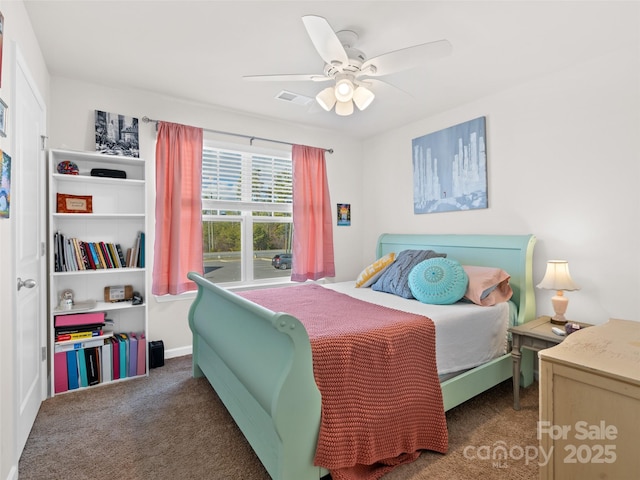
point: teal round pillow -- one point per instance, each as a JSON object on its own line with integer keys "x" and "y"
{"x": 439, "y": 281}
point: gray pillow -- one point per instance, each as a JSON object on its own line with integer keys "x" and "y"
{"x": 395, "y": 279}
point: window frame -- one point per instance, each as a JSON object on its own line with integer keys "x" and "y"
{"x": 247, "y": 207}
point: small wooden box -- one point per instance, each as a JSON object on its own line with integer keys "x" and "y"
{"x": 74, "y": 203}
{"x": 118, "y": 293}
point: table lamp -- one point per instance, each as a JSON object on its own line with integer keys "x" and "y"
{"x": 557, "y": 278}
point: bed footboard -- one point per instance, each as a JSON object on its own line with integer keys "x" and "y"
{"x": 264, "y": 379}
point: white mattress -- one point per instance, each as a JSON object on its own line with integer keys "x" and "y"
{"x": 467, "y": 335}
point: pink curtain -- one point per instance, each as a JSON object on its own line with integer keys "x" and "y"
{"x": 312, "y": 221}
{"x": 178, "y": 242}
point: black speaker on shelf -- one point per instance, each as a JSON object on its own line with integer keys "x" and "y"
{"x": 156, "y": 354}
{"x": 107, "y": 172}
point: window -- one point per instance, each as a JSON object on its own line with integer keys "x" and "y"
{"x": 246, "y": 214}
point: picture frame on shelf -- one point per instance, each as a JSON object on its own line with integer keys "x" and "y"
{"x": 3, "y": 118}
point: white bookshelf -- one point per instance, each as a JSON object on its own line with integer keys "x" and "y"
{"x": 118, "y": 215}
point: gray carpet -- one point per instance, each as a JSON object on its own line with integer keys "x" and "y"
{"x": 172, "y": 426}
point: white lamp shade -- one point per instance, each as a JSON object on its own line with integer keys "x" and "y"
{"x": 344, "y": 90}
{"x": 326, "y": 98}
{"x": 363, "y": 97}
{"x": 344, "y": 108}
{"x": 557, "y": 277}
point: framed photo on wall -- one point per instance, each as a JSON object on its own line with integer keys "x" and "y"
{"x": 344, "y": 214}
{"x": 116, "y": 134}
{"x": 1, "y": 42}
{"x": 3, "y": 118}
{"x": 5, "y": 184}
{"x": 450, "y": 169}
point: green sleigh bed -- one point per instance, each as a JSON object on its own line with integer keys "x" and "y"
{"x": 259, "y": 362}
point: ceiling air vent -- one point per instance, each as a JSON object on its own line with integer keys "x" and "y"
{"x": 294, "y": 98}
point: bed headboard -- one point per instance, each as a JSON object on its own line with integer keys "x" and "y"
{"x": 512, "y": 253}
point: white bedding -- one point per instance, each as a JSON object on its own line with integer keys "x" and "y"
{"x": 467, "y": 335}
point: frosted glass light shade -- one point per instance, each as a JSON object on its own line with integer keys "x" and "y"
{"x": 344, "y": 108}
{"x": 326, "y": 98}
{"x": 363, "y": 97}
{"x": 344, "y": 90}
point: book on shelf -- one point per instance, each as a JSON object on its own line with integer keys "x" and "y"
{"x": 88, "y": 363}
{"x": 115, "y": 357}
{"x": 88, "y": 257}
{"x": 82, "y": 367}
{"x": 79, "y": 319}
{"x": 114, "y": 255}
{"x": 64, "y": 337}
{"x": 80, "y": 329}
{"x": 123, "y": 339}
{"x": 92, "y": 365}
{"x": 84, "y": 343}
{"x": 121, "y": 255}
{"x": 72, "y": 254}
{"x": 79, "y": 259}
{"x": 142, "y": 354}
{"x": 133, "y": 355}
{"x": 72, "y": 370}
{"x": 141, "y": 254}
{"x": 105, "y": 253}
{"x": 94, "y": 254}
{"x": 60, "y": 370}
{"x": 136, "y": 257}
{"x": 106, "y": 363}
{"x": 101, "y": 259}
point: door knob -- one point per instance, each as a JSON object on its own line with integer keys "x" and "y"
{"x": 28, "y": 283}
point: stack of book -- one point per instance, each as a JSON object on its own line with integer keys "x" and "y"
{"x": 88, "y": 361}
{"x": 72, "y": 254}
{"x": 81, "y": 326}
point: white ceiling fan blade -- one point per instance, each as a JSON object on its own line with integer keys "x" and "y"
{"x": 325, "y": 40}
{"x": 382, "y": 86}
{"x": 405, "y": 58}
{"x": 310, "y": 77}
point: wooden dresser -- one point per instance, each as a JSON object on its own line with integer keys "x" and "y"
{"x": 590, "y": 404}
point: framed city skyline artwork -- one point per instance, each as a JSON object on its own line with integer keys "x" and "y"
{"x": 450, "y": 169}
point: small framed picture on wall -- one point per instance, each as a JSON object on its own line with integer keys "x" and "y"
{"x": 344, "y": 214}
{"x": 3, "y": 118}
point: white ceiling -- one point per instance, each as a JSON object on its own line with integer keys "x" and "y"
{"x": 199, "y": 50}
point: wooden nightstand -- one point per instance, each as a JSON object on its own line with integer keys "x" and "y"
{"x": 535, "y": 335}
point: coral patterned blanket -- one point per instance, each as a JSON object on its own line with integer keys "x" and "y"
{"x": 376, "y": 370}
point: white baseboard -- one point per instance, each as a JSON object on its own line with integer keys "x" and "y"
{"x": 13, "y": 473}
{"x": 178, "y": 352}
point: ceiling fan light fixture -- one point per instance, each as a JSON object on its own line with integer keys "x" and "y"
{"x": 344, "y": 90}
{"x": 344, "y": 108}
{"x": 363, "y": 97}
{"x": 326, "y": 98}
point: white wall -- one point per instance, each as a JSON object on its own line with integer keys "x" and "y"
{"x": 72, "y": 126}
{"x": 562, "y": 164}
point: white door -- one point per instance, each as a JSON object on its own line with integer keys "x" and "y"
{"x": 28, "y": 195}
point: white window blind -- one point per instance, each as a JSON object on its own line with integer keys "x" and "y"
{"x": 259, "y": 182}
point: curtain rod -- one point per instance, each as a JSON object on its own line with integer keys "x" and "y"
{"x": 251, "y": 138}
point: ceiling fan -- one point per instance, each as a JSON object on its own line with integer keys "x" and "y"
{"x": 352, "y": 72}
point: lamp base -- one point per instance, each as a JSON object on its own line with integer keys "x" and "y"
{"x": 559, "y": 302}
